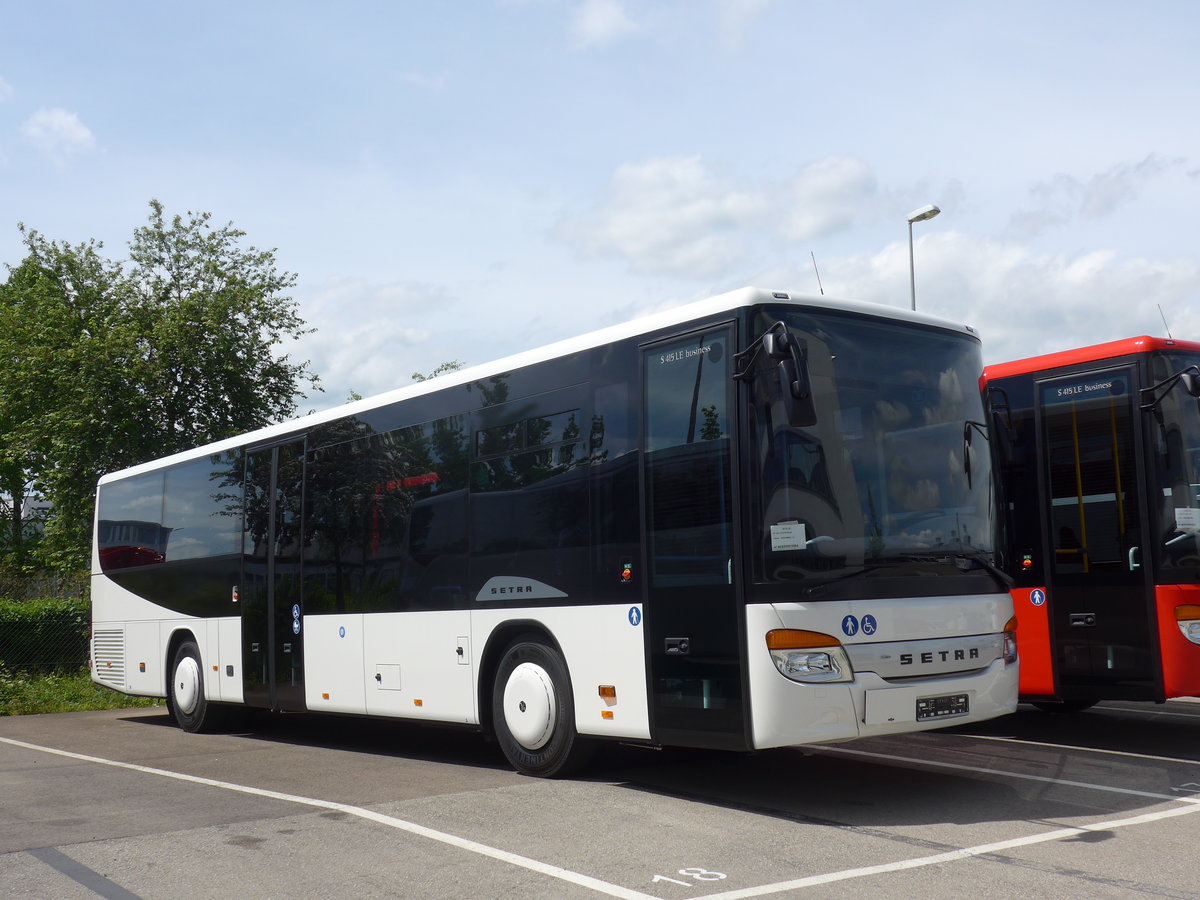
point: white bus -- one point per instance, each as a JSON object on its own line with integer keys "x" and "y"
{"x": 750, "y": 522}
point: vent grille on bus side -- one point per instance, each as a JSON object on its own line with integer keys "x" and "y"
{"x": 108, "y": 655}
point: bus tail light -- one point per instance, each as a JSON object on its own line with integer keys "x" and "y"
{"x": 809, "y": 657}
{"x": 1187, "y": 616}
{"x": 1010, "y": 641}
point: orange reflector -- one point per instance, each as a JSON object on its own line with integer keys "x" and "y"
{"x": 1186, "y": 612}
{"x": 606, "y": 713}
{"x": 608, "y": 691}
{"x": 794, "y": 639}
{"x": 1011, "y": 624}
{"x": 216, "y": 668}
{"x": 418, "y": 703}
{"x": 324, "y": 696}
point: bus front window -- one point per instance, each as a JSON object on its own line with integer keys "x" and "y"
{"x": 1176, "y": 425}
{"x": 879, "y": 486}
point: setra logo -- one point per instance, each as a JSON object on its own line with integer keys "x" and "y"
{"x": 931, "y": 656}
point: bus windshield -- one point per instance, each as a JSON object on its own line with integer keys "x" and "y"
{"x": 893, "y": 481}
{"x": 1177, "y": 448}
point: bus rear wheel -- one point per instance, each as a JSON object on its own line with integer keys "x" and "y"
{"x": 185, "y": 696}
{"x": 533, "y": 712}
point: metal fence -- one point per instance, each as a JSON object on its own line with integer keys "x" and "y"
{"x": 44, "y": 624}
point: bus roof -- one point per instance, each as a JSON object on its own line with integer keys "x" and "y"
{"x": 1094, "y": 353}
{"x": 676, "y": 315}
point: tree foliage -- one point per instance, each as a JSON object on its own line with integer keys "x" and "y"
{"x": 110, "y": 363}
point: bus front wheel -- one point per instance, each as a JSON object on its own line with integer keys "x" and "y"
{"x": 185, "y": 697}
{"x": 533, "y": 712}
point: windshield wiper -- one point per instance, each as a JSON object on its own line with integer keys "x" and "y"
{"x": 930, "y": 559}
{"x": 858, "y": 573}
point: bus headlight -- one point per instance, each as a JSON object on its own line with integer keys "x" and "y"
{"x": 809, "y": 656}
{"x": 1187, "y": 617}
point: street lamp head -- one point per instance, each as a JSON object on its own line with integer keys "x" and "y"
{"x": 922, "y": 214}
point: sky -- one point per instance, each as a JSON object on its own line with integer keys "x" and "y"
{"x": 466, "y": 179}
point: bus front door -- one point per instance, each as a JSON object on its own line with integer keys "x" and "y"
{"x": 1099, "y": 590}
{"x": 272, "y": 615}
{"x": 691, "y": 608}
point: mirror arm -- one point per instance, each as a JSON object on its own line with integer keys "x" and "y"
{"x": 1155, "y": 394}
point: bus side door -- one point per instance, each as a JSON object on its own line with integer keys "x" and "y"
{"x": 272, "y": 607}
{"x": 1100, "y": 554}
{"x": 692, "y": 619}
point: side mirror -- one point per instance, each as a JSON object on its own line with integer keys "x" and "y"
{"x": 794, "y": 376}
{"x": 1191, "y": 383}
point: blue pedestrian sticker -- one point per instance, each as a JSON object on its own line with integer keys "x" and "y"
{"x": 635, "y": 616}
{"x": 1037, "y": 597}
{"x": 295, "y": 626}
{"x": 850, "y": 626}
{"x": 342, "y": 631}
{"x": 869, "y": 625}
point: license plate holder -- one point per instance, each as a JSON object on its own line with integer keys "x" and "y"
{"x": 950, "y": 706}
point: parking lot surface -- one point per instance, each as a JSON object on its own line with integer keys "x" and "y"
{"x": 121, "y": 804}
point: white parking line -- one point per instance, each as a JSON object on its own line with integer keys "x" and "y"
{"x": 534, "y": 865}
{"x": 846, "y": 751}
{"x": 949, "y": 856}
{"x": 1010, "y": 740}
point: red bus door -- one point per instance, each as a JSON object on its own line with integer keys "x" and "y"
{"x": 1099, "y": 553}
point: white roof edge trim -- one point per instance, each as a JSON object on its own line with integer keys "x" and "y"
{"x": 675, "y": 315}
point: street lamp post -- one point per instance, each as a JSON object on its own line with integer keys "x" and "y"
{"x": 920, "y": 215}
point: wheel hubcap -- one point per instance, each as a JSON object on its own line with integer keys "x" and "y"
{"x": 529, "y": 707}
{"x": 187, "y": 685}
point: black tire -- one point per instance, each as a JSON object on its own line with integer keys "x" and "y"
{"x": 533, "y": 712}
{"x": 1064, "y": 706}
{"x": 185, "y": 694}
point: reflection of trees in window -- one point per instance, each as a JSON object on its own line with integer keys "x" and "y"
{"x": 361, "y": 528}
{"x": 530, "y": 450}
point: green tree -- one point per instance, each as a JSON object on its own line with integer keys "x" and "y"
{"x": 211, "y": 313}
{"x": 63, "y": 334}
{"x": 107, "y": 364}
{"x": 452, "y": 366}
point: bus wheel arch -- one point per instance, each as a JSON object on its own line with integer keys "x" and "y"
{"x": 533, "y": 709}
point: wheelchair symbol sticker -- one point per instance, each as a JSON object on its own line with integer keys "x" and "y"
{"x": 869, "y": 625}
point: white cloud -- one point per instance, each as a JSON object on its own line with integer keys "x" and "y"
{"x": 1022, "y": 303}
{"x": 369, "y": 337}
{"x": 825, "y": 197}
{"x": 669, "y": 215}
{"x": 57, "y": 133}
{"x": 1065, "y": 198}
{"x": 734, "y": 18}
{"x": 600, "y": 22}
{"x": 673, "y": 215}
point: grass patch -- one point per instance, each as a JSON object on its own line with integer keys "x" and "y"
{"x": 24, "y": 694}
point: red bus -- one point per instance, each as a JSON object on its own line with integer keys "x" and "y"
{"x": 1098, "y": 461}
